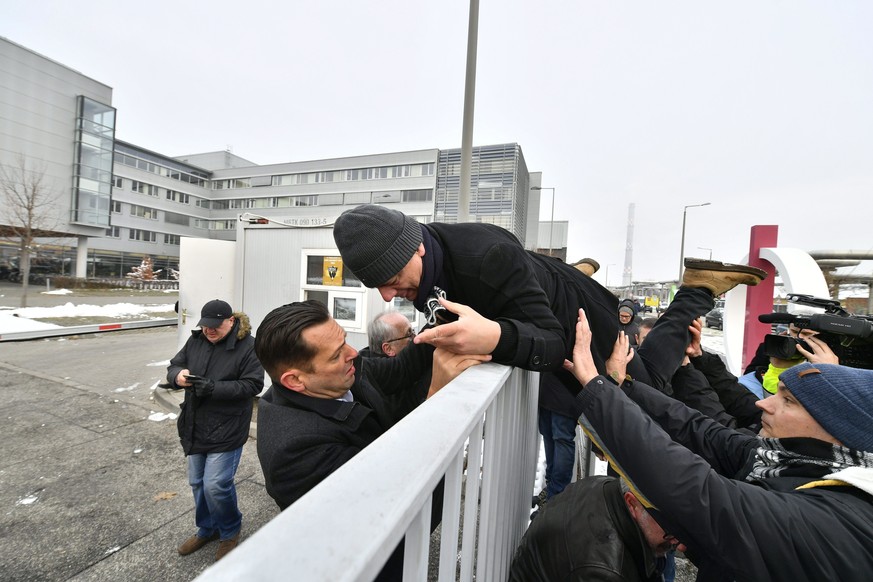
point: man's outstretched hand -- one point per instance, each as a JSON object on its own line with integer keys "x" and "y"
{"x": 582, "y": 366}
{"x": 622, "y": 353}
{"x": 448, "y": 365}
{"x": 695, "y": 330}
{"x": 472, "y": 334}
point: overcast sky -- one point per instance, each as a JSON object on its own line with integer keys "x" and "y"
{"x": 764, "y": 109}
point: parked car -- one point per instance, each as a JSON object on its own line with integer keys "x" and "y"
{"x": 713, "y": 319}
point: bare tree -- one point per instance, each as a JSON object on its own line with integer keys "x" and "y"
{"x": 27, "y": 210}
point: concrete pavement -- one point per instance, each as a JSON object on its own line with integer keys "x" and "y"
{"x": 91, "y": 488}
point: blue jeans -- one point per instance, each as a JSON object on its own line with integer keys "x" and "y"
{"x": 559, "y": 433}
{"x": 211, "y": 478}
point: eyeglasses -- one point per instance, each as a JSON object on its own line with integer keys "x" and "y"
{"x": 409, "y": 334}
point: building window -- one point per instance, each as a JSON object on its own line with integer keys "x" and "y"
{"x": 178, "y": 197}
{"x": 143, "y": 212}
{"x": 200, "y": 223}
{"x": 329, "y": 200}
{"x": 304, "y": 200}
{"x": 201, "y": 203}
{"x": 118, "y": 182}
{"x": 113, "y": 232}
{"x": 175, "y": 218}
{"x": 417, "y": 195}
{"x": 143, "y": 235}
{"x": 172, "y": 239}
{"x": 115, "y": 207}
{"x": 337, "y": 288}
{"x": 143, "y": 188}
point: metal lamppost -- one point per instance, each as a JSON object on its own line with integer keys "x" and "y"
{"x": 682, "y": 244}
{"x": 706, "y": 249}
{"x": 552, "y": 220}
{"x": 606, "y": 278}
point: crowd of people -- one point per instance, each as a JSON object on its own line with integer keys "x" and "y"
{"x": 750, "y": 488}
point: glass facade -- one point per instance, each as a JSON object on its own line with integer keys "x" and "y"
{"x": 92, "y": 179}
{"x": 498, "y": 183}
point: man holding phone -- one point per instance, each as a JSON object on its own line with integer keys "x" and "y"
{"x": 221, "y": 375}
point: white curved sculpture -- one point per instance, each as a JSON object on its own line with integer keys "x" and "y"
{"x": 800, "y": 274}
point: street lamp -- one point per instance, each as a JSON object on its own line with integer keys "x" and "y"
{"x": 552, "y": 221}
{"x": 606, "y": 279}
{"x": 682, "y": 244}
{"x": 706, "y": 249}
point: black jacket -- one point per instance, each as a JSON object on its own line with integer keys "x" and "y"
{"x": 691, "y": 469}
{"x": 584, "y": 533}
{"x": 220, "y": 422}
{"x": 302, "y": 440}
{"x": 736, "y": 399}
{"x": 534, "y": 298}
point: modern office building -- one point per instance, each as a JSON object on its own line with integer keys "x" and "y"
{"x": 115, "y": 202}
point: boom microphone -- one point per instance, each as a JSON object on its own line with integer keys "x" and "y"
{"x": 777, "y": 318}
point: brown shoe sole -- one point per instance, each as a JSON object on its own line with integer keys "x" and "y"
{"x": 707, "y": 265}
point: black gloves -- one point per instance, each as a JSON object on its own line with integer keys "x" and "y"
{"x": 203, "y": 387}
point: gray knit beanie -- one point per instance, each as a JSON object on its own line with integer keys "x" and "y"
{"x": 839, "y": 398}
{"x": 376, "y": 242}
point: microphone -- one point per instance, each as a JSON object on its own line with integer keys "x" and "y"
{"x": 777, "y": 318}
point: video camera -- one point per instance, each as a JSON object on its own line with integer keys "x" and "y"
{"x": 849, "y": 336}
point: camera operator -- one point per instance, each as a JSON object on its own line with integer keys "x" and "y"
{"x": 737, "y": 396}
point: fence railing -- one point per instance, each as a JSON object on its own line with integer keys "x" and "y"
{"x": 346, "y": 528}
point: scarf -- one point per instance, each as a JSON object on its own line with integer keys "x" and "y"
{"x": 431, "y": 269}
{"x": 771, "y": 378}
{"x": 803, "y": 457}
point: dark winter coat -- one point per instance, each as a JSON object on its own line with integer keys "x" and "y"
{"x": 632, "y": 328}
{"x": 302, "y": 439}
{"x": 534, "y": 298}
{"x": 691, "y": 469}
{"x": 219, "y": 422}
{"x": 584, "y": 533}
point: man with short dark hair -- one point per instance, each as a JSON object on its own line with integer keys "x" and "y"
{"x": 221, "y": 375}
{"x": 323, "y": 406}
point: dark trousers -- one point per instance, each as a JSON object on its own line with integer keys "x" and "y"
{"x": 559, "y": 442}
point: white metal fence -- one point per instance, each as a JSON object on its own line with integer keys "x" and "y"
{"x": 346, "y": 528}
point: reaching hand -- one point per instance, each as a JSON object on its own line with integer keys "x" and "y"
{"x": 582, "y": 366}
{"x": 203, "y": 387}
{"x": 448, "y": 365}
{"x": 472, "y": 334}
{"x": 696, "y": 330}
{"x": 622, "y": 353}
{"x": 821, "y": 352}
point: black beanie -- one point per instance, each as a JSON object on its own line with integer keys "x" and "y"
{"x": 376, "y": 242}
